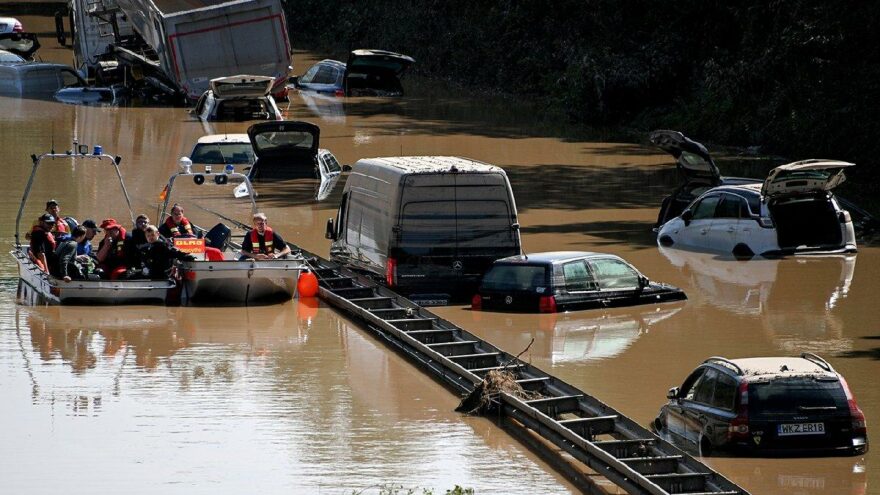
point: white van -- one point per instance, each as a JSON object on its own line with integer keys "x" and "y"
{"x": 428, "y": 226}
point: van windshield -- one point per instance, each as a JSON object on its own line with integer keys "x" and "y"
{"x": 443, "y": 227}
{"x": 795, "y": 395}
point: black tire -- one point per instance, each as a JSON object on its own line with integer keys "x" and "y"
{"x": 743, "y": 251}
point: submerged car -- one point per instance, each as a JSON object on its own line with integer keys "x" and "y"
{"x": 792, "y": 212}
{"x": 9, "y": 58}
{"x": 367, "y": 73}
{"x": 289, "y": 150}
{"x": 238, "y": 98}
{"x": 37, "y": 79}
{"x": 699, "y": 173}
{"x": 766, "y": 405}
{"x": 22, "y": 44}
{"x": 222, "y": 150}
{"x": 567, "y": 281}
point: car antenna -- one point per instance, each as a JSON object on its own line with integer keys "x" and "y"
{"x": 52, "y": 149}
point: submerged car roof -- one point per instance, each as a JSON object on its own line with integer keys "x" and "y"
{"x": 778, "y": 367}
{"x": 552, "y": 257}
{"x": 224, "y": 138}
{"x": 430, "y": 164}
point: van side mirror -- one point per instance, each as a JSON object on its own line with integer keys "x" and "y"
{"x": 687, "y": 216}
{"x": 330, "y": 233}
{"x": 672, "y": 394}
{"x": 346, "y": 168}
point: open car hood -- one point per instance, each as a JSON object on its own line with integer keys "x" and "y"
{"x": 242, "y": 86}
{"x": 691, "y": 158}
{"x": 284, "y": 139}
{"x": 22, "y": 44}
{"x": 805, "y": 176}
{"x": 377, "y": 61}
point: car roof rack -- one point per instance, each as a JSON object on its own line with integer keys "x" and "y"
{"x": 726, "y": 362}
{"x": 809, "y": 356}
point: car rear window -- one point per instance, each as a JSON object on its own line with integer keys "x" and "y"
{"x": 218, "y": 154}
{"x": 795, "y": 395}
{"x": 515, "y": 277}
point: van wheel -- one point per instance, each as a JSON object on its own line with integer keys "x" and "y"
{"x": 705, "y": 447}
{"x": 743, "y": 251}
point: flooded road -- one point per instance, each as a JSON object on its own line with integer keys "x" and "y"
{"x": 296, "y": 398}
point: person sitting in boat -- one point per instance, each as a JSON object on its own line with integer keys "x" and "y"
{"x": 138, "y": 235}
{"x": 71, "y": 265}
{"x": 60, "y": 229}
{"x": 157, "y": 256}
{"x": 262, "y": 243}
{"x": 42, "y": 242}
{"x": 176, "y": 225}
{"x": 116, "y": 250}
{"x": 84, "y": 247}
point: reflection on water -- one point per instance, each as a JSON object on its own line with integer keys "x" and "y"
{"x": 293, "y": 393}
{"x": 327, "y": 108}
{"x": 796, "y": 317}
{"x": 579, "y": 336}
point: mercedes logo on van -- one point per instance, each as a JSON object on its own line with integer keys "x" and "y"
{"x": 457, "y": 265}
{"x": 508, "y": 300}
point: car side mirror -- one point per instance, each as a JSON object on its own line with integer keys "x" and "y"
{"x": 514, "y": 226}
{"x": 687, "y": 216}
{"x": 330, "y": 232}
{"x": 293, "y": 80}
{"x": 643, "y": 282}
{"x": 672, "y": 394}
{"x": 346, "y": 168}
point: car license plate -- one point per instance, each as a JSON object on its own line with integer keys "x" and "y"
{"x": 801, "y": 429}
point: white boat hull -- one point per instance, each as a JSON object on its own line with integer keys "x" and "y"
{"x": 240, "y": 282}
{"x": 37, "y": 287}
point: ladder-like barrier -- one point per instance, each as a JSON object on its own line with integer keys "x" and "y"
{"x": 611, "y": 444}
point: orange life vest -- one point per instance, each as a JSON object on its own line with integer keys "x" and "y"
{"x": 177, "y": 230}
{"x": 268, "y": 237}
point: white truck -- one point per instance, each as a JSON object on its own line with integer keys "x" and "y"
{"x": 178, "y": 46}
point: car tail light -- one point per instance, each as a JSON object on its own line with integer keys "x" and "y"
{"x": 844, "y": 216}
{"x": 339, "y": 93}
{"x": 391, "y": 272}
{"x": 859, "y": 425}
{"x": 477, "y": 303}
{"x": 739, "y": 426}
{"x": 547, "y": 304}
{"x": 765, "y": 222}
{"x": 17, "y": 28}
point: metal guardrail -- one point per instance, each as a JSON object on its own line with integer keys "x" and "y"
{"x": 611, "y": 444}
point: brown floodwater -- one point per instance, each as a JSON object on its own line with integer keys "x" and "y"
{"x": 296, "y": 398}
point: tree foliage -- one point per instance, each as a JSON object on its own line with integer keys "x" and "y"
{"x": 799, "y": 77}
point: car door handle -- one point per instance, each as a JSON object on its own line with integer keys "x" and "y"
{"x": 704, "y": 230}
{"x": 731, "y": 229}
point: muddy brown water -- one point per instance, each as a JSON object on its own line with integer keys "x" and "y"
{"x": 296, "y": 398}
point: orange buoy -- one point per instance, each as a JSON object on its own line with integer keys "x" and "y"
{"x": 307, "y": 285}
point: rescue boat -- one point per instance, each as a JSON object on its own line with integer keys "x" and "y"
{"x": 230, "y": 280}
{"x": 36, "y": 286}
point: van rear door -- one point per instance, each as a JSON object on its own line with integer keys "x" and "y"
{"x": 452, "y": 227}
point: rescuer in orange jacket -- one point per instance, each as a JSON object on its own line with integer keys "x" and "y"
{"x": 262, "y": 243}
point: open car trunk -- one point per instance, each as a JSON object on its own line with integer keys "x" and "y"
{"x": 806, "y": 222}
{"x": 284, "y": 150}
{"x": 375, "y": 73}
